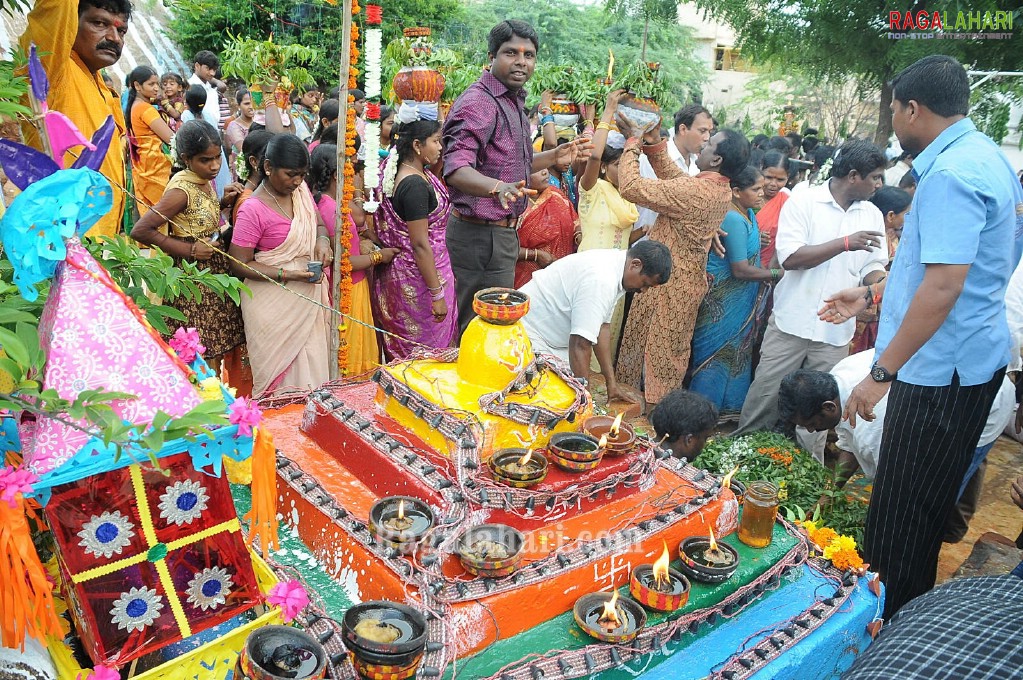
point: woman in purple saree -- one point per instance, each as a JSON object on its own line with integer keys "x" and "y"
{"x": 414, "y": 295}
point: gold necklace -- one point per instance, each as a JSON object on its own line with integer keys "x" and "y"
{"x": 416, "y": 170}
{"x": 279, "y": 206}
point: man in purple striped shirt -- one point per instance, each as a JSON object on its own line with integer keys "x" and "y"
{"x": 487, "y": 162}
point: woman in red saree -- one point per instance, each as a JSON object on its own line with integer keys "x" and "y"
{"x": 776, "y": 175}
{"x": 550, "y": 227}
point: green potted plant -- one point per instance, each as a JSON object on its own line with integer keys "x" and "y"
{"x": 645, "y": 88}
{"x": 264, "y": 62}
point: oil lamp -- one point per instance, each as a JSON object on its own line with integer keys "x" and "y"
{"x": 384, "y": 637}
{"x": 400, "y": 522}
{"x": 706, "y": 560}
{"x": 501, "y": 306}
{"x": 575, "y": 451}
{"x": 491, "y": 550}
{"x": 621, "y": 437}
{"x": 607, "y": 618}
{"x": 517, "y": 467}
{"x": 659, "y": 586}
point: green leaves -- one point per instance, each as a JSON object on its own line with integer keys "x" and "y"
{"x": 140, "y": 276}
{"x": 262, "y": 61}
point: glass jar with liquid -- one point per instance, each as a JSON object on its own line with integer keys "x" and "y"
{"x": 759, "y": 512}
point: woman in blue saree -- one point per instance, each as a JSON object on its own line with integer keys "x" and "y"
{"x": 730, "y": 313}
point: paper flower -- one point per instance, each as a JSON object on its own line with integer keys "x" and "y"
{"x": 290, "y": 596}
{"x": 14, "y": 481}
{"x": 186, "y": 344}
{"x": 245, "y": 414}
{"x": 100, "y": 673}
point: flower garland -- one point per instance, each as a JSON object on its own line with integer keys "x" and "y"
{"x": 374, "y": 48}
{"x": 841, "y": 550}
{"x": 347, "y": 194}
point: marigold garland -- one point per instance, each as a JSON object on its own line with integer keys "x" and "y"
{"x": 347, "y": 194}
{"x": 841, "y": 550}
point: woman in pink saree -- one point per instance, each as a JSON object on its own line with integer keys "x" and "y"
{"x": 276, "y": 237}
{"x": 414, "y": 294}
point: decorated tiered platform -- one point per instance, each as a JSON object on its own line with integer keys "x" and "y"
{"x": 427, "y": 429}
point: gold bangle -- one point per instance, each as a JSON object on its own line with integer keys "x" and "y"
{"x": 604, "y": 126}
{"x": 376, "y": 257}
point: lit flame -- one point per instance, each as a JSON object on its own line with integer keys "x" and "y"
{"x": 401, "y": 509}
{"x": 661, "y": 567}
{"x": 603, "y": 441}
{"x": 610, "y": 614}
{"x": 610, "y": 64}
{"x": 726, "y": 483}
{"x": 616, "y": 425}
{"x": 713, "y": 544}
{"x": 525, "y": 458}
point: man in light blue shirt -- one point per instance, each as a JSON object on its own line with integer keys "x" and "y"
{"x": 943, "y": 340}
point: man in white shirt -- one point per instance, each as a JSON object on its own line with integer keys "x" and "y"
{"x": 829, "y": 237}
{"x": 204, "y": 71}
{"x": 693, "y": 125}
{"x": 814, "y": 400}
{"x": 571, "y": 302}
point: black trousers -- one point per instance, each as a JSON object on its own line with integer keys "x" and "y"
{"x": 930, "y": 434}
{"x": 482, "y": 256}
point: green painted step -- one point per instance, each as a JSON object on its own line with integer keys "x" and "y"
{"x": 561, "y": 632}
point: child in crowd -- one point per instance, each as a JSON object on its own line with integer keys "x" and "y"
{"x": 195, "y": 100}
{"x": 683, "y": 421}
{"x": 172, "y": 104}
{"x": 190, "y": 208}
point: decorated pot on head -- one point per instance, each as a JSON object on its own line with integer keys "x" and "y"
{"x": 566, "y": 112}
{"x": 639, "y": 110}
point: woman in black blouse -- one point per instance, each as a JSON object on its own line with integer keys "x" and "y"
{"x": 414, "y": 295}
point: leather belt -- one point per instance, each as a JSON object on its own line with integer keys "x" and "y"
{"x": 511, "y": 222}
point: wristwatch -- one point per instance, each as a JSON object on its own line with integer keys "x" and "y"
{"x": 880, "y": 374}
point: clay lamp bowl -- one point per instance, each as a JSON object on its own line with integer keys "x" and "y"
{"x": 518, "y": 468}
{"x": 386, "y": 639}
{"x": 575, "y": 451}
{"x": 273, "y": 652}
{"x": 620, "y": 437}
{"x": 491, "y": 550}
{"x": 659, "y": 587}
{"x": 500, "y": 306}
{"x": 608, "y": 618}
{"x": 707, "y": 561}
{"x": 400, "y": 522}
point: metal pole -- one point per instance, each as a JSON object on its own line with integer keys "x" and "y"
{"x": 341, "y": 228}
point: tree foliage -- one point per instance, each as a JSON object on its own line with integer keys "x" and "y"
{"x": 204, "y": 24}
{"x": 580, "y": 37}
{"x": 842, "y": 38}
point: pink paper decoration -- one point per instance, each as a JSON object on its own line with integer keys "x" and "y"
{"x": 95, "y": 337}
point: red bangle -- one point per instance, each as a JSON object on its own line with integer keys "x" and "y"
{"x": 847, "y": 243}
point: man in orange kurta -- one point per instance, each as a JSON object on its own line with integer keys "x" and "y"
{"x": 77, "y": 38}
{"x": 659, "y": 330}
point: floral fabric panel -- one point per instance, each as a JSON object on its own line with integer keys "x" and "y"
{"x": 148, "y": 558}
{"x": 96, "y": 338}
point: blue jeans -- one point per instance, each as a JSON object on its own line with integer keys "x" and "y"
{"x": 1018, "y": 571}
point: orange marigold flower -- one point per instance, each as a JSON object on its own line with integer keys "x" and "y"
{"x": 823, "y": 536}
{"x": 847, "y": 559}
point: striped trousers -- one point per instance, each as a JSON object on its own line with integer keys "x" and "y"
{"x": 930, "y": 434}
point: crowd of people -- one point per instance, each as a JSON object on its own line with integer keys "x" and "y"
{"x": 719, "y": 278}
